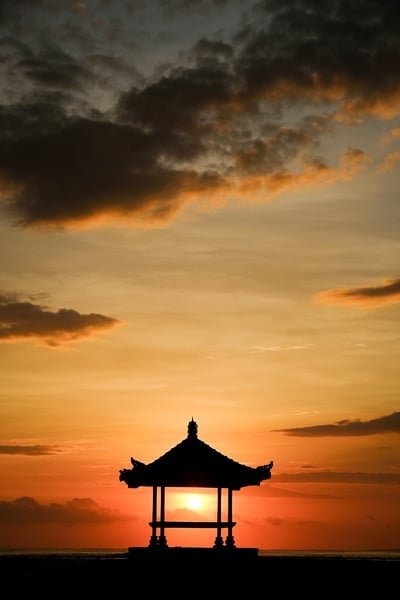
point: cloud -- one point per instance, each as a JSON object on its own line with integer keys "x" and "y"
{"x": 278, "y": 522}
{"x": 22, "y": 320}
{"x": 210, "y": 126}
{"x": 182, "y": 514}
{"x": 336, "y": 50}
{"x": 272, "y": 491}
{"x": 33, "y": 450}
{"x": 30, "y": 71}
{"x": 386, "y": 424}
{"x": 54, "y": 70}
{"x": 393, "y": 134}
{"x": 364, "y": 297}
{"x": 78, "y": 511}
{"x": 79, "y": 7}
{"x": 339, "y": 477}
{"x": 389, "y": 162}
{"x": 170, "y": 8}
{"x": 98, "y": 169}
{"x": 110, "y": 69}
{"x": 263, "y": 349}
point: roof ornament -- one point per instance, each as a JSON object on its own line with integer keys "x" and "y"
{"x": 192, "y": 430}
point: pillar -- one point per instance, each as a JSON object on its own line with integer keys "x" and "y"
{"x": 162, "y": 540}
{"x": 218, "y": 540}
{"x": 153, "y": 539}
{"x": 230, "y": 540}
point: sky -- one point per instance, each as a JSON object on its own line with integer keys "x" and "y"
{"x": 199, "y": 217}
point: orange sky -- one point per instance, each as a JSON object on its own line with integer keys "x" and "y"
{"x": 203, "y": 222}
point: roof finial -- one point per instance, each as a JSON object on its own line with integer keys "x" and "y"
{"x": 192, "y": 429}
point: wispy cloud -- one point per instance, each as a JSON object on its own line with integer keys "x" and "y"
{"x": 273, "y": 491}
{"x": 262, "y": 349}
{"x": 338, "y": 477}
{"x": 33, "y": 450}
{"x": 345, "y": 428}
{"x": 77, "y": 511}
{"x": 364, "y": 297}
{"x": 22, "y": 320}
{"x": 278, "y": 521}
{"x": 183, "y": 514}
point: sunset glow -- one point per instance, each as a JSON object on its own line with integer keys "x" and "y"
{"x": 199, "y": 217}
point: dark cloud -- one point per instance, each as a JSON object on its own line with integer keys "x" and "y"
{"x": 385, "y": 424}
{"x": 78, "y": 511}
{"x": 211, "y": 126}
{"x": 21, "y": 320}
{"x": 54, "y": 70}
{"x": 206, "y": 49}
{"x": 368, "y": 296}
{"x": 13, "y": 47}
{"x": 62, "y": 170}
{"x": 14, "y": 12}
{"x": 338, "y": 477}
{"x": 34, "y": 450}
{"x": 174, "y": 6}
{"x": 109, "y": 68}
{"x": 80, "y": 7}
{"x": 340, "y": 50}
{"x": 51, "y": 68}
{"x": 183, "y": 101}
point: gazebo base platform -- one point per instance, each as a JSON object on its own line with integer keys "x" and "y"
{"x": 182, "y": 553}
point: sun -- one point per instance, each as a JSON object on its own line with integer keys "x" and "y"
{"x": 194, "y": 501}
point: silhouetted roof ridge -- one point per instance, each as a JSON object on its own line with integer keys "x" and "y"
{"x": 182, "y": 446}
{"x": 194, "y": 463}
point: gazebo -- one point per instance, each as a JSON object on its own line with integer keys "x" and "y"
{"x": 193, "y": 463}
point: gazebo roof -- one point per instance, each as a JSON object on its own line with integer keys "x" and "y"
{"x": 193, "y": 463}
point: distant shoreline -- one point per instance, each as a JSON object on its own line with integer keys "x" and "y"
{"x": 77, "y": 553}
{"x": 41, "y": 557}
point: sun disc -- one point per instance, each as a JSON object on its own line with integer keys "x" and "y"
{"x": 194, "y": 501}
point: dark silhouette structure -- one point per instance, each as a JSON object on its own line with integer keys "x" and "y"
{"x": 193, "y": 463}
